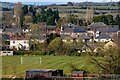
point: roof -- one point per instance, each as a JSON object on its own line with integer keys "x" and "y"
{"x": 66, "y": 36}
{"x": 68, "y": 30}
{"x": 78, "y": 29}
{"x": 84, "y": 36}
{"x": 103, "y": 36}
{"x": 41, "y": 70}
{"x": 78, "y": 72}
{"x": 109, "y": 29}
{"x": 98, "y": 24}
{"x": 51, "y": 27}
{"x": 6, "y": 37}
{"x": 17, "y": 30}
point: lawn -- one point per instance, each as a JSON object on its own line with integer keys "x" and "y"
{"x": 11, "y": 65}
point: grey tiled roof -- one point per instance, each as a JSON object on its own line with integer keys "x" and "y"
{"x": 109, "y": 29}
{"x": 17, "y": 30}
{"x": 103, "y": 36}
{"x": 68, "y": 30}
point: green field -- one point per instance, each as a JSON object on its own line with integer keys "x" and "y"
{"x": 12, "y": 64}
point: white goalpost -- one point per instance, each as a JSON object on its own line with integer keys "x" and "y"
{"x": 27, "y": 60}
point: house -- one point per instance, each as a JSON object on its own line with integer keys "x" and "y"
{"x": 67, "y": 31}
{"x": 84, "y": 38}
{"x": 88, "y": 48}
{"x": 103, "y": 38}
{"x": 79, "y": 31}
{"x": 46, "y": 73}
{"x": 6, "y": 53}
{"x": 92, "y": 28}
{"x": 49, "y": 29}
{"x": 111, "y": 31}
{"x": 67, "y": 38}
{"x": 19, "y": 44}
{"x": 110, "y": 44}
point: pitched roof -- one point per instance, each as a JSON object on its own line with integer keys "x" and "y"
{"x": 83, "y": 36}
{"x": 5, "y": 37}
{"x": 94, "y": 26}
{"x": 78, "y": 29}
{"x": 103, "y": 36}
{"x": 109, "y": 29}
{"x": 17, "y": 30}
{"x": 68, "y": 30}
{"x": 98, "y": 24}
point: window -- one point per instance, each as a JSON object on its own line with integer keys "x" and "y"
{"x": 25, "y": 42}
{"x": 13, "y": 42}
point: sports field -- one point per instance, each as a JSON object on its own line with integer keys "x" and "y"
{"x": 17, "y": 65}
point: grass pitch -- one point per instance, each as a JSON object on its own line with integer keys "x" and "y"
{"x": 17, "y": 65}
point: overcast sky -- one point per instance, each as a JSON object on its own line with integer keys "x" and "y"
{"x": 57, "y": 0}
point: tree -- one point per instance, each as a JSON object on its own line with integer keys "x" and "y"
{"x": 110, "y": 62}
{"x": 25, "y": 9}
{"x": 55, "y": 45}
{"x": 51, "y": 21}
{"x": 117, "y": 20}
{"x": 72, "y": 19}
{"x": 28, "y": 19}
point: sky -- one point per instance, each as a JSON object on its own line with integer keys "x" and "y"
{"x": 57, "y": 0}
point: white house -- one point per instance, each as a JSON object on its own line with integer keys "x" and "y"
{"x": 5, "y": 53}
{"x": 19, "y": 44}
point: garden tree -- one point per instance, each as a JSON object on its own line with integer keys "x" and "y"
{"x": 56, "y": 45}
{"x": 107, "y": 19}
{"x": 59, "y": 22}
{"x": 28, "y": 19}
{"x": 31, "y": 9}
{"x": 49, "y": 12}
{"x": 51, "y": 21}
{"x": 51, "y": 37}
{"x": 25, "y": 9}
{"x": 110, "y": 62}
{"x": 102, "y": 18}
{"x": 72, "y": 19}
{"x": 34, "y": 30}
{"x": 56, "y": 15}
{"x": 117, "y": 20}
{"x": 110, "y": 19}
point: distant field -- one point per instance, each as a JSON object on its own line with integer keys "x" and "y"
{"x": 78, "y": 10}
{"x": 11, "y": 65}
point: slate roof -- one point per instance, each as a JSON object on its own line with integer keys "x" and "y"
{"x": 97, "y": 25}
{"x": 103, "y": 36}
{"x": 17, "y": 30}
{"x": 79, "y": 29}
{"x": 68, "y": 30}
{"x": 83, "y": 36}
{"x": 51, "y": 27}
{"x": 110, "y": 29}
{"x": 5, "y": 37}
